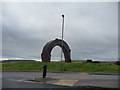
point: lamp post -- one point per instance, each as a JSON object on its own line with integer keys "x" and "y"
{"x": 62, "y": 39}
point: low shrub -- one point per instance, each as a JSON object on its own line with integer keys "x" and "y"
{"x": 117, "y": 62}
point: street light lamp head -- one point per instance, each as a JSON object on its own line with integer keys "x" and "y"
{"x": 63, "y": 16}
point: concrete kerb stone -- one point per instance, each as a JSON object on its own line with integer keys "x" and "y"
{"x": 21, "y": 70}
{"x": 90, "y": 73}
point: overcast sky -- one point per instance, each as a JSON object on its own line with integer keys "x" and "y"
{"x": 91, "y": 29}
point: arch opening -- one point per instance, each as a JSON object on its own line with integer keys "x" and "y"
{"x": 56, "y": 54}
{"x": 46, "y": 52}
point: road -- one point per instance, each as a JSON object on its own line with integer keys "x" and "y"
{"x": 20, "y": 80}
{"x": 69, "y": 79}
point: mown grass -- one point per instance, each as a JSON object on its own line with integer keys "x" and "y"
{"x": 58, "y": 66}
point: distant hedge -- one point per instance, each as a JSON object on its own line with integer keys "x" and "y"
{"x": 117, "y": 63}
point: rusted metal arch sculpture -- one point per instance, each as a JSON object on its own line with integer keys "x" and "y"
{"x": 46, "y": 52}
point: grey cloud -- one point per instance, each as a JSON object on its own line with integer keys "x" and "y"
{"x": 0, "y": 31}
{"x": 90, "y": 29}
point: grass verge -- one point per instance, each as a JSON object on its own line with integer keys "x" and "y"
{"x": 58, "y": 66}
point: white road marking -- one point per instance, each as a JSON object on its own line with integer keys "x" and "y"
{"x": 66, "y": 82}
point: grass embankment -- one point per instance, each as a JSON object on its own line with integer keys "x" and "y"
{"x": 57, "y": 66}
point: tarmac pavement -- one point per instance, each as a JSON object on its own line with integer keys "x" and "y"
{"x": 58, "y": 79}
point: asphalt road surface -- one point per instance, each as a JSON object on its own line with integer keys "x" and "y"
{"x": 21, "y": 80}
{"x": 68, "y": 79}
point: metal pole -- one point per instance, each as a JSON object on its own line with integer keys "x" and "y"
{"x": 62, "y": 40}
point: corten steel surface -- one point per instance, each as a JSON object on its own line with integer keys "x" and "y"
{"x": 46, "y": 52}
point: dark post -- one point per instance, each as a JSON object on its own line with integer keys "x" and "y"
{"x": 44, "y": 70}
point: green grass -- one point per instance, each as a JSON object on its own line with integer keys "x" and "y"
{"x": 56, "y": 66}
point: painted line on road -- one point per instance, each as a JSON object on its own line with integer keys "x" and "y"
{"x": 66, "y": 82}
{"x": 23, "y": 80}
